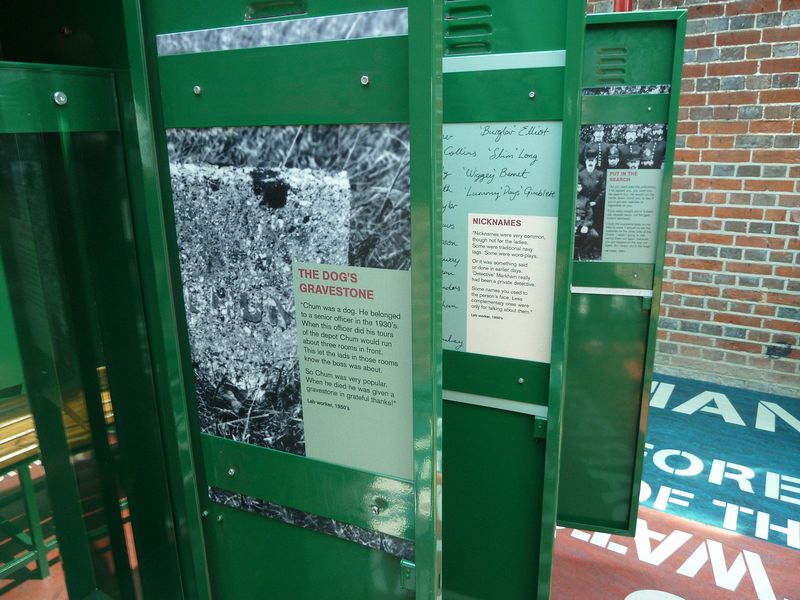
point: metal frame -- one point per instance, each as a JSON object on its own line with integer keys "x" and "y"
{"x": 558, "y": 367}
{"x": 35, "y": 539}
{"x": 158, "y": 257}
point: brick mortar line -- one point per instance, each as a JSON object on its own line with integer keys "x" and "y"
{"x": 722, "y": 349}
{"x": 723, "y": 324}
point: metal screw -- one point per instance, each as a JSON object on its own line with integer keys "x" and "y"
{"x": 636, "y": 276}
{"x": 365, "y": 80}
{"x": 532, "y": 94}
{"x": 376, "y": 510}
{"x": 60, "y": 98}
{"x": 231, "y": 472}
{"x": 649, "y": 109}
{"x": 520, "y": 381}
{"x": 197, "y": 90}
{"x": 204, "y": 514}
{"x": 219, "y": 518}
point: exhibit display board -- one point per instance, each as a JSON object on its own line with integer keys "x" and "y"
{"x": 620, "y": 176}
{"x": 300, "y": 150}
{"x": 624, "y": 164}
{"x": 282, "y": 245}
{"x": 500, "y": 212}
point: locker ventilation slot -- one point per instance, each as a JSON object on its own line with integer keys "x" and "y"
{"x": 276, "y": 8}
{"x": 611, "y": 65}
{"x": 467, "y": 27}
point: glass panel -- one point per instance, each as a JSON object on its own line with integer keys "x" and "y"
{"x": 49, "y": 188}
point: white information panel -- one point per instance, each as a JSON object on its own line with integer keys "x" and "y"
{"x": 510, "y": 286}
{"x": 500, "y": 207}
{"x": 631, "y": 215}
{"x": 354, "y": 340}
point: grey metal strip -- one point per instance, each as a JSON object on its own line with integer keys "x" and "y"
{"x": 535, "y": 410}
{"x": 333, "y": 28}
{"x": 609, "y": 291}
{"x": 500, "y": 62}
{"x": 624, "y": 90}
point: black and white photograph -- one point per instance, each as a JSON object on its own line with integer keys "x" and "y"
{"x": 604, "y": 148}
{"x": 340, "y": 27}
{"x": 620, "y": 90}
{"x": 248, "y": 203}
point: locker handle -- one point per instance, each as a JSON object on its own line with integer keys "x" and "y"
{"x": 274, "y": 8}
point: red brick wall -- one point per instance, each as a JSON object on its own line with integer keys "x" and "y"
{"x": 732, "y": 282}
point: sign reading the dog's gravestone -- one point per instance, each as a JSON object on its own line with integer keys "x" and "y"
{"x": 354, "y": 342}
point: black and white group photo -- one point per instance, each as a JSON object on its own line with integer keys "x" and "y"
{"x": 604, "y": 148}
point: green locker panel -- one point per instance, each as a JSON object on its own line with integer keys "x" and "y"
{"x": 293, "y": 565}
{"x": 313, "y": 118}
{"x": 511, "y": 106}
{"x": 631, "y": 81}
{"x": 494, "y": 468}
{"x": 607, "y": 337}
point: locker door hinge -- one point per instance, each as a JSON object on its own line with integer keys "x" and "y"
{"x": 408, "y": 575}
{"x": 540, "y": 428}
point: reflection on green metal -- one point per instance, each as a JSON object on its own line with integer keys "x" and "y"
{"x": 509, "y": 92}
{"x": 466, "y": 372}
{"x": 11, "y": 381}
{"x": 28, "y": 103}
{"x": 232, "y": 96}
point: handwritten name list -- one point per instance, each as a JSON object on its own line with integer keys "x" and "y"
{"x": 507, "y": 173}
